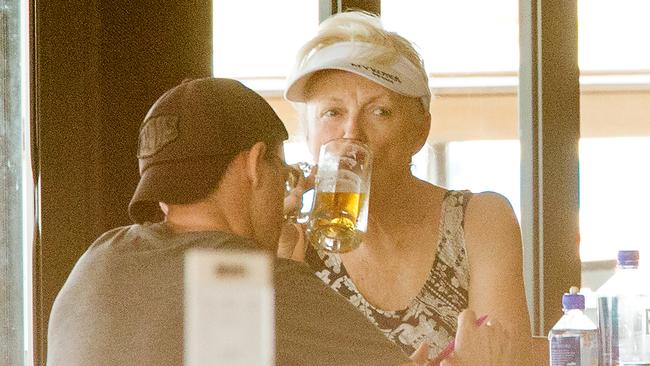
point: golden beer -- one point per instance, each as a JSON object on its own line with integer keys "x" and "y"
{"x": 334, "y": 223}
{"x": 339, "y": 215}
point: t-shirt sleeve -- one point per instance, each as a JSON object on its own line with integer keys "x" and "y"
{"x": 316, "y": 326}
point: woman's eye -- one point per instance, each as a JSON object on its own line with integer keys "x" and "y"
{"x": 330, "y": 113}
{"x": 381, "y": 112}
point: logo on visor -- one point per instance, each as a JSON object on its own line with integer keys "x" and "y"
{"x": 156, "y": 133}
{"x": 379, "y": 73}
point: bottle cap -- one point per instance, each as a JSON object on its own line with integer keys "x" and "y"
{"x": 573, "y": 300}
{"x": 628, "y": 258}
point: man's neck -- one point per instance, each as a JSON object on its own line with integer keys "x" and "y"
{"x": 203, "y": 216}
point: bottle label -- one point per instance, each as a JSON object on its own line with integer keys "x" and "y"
{"x": 565, "y": 351}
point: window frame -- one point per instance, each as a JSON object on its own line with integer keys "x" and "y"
{"x": 16, "y": 185}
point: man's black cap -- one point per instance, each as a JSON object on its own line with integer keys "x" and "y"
{"x": 189, "y": 137}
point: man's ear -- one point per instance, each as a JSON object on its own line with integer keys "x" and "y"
{"x": 254, "y": 163}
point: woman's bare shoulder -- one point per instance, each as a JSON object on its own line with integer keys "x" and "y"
{"x": 491, "y": 224}
{"x": 489, "y": 198}
{"x": 487, "y": 207}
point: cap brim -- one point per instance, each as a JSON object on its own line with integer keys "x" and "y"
{"x": 177, "y": 182}
{"x": 296, "y": 91}
{"x": 399, "y": 75}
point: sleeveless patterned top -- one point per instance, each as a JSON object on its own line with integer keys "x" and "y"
{"x": 432, "y": 315}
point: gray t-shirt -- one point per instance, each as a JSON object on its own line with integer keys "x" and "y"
{"x": 123, "y": 305}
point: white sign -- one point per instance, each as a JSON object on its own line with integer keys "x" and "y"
{"x": 229, "y": 315}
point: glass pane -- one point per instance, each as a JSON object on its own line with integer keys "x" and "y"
{"x": 486, "y": 166}
{"x": 614, "y": 35}
{"x": 615, "y": 134}
{"x": 15, "y": 191}
{"x": 614, "y": 196}
{"x": 257, "y": 39}
{"x": 461, "y": 36}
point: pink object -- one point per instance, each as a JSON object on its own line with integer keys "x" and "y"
{"x": 451, "y": 345}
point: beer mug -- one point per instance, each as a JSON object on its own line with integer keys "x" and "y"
{"x": 339, "y": 214}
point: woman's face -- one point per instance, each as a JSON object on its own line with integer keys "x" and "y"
{"x": 341, "y": 104}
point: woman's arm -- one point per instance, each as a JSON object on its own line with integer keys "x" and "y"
{"x": 494, "y": 250}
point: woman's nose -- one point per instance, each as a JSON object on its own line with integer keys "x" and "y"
{"x": 354, "y": 129}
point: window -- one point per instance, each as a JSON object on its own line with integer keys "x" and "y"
{"x": 614, "y": 196}
{"x": 485, "y": 165}
{"x": 16, "y": 189}
{"x": 255, "y": 41}
{"x": 471, "y": 51}
{"x": 615, "y": 129}
{"x": 603, "y": 27}
{"x": 461, "y": 37}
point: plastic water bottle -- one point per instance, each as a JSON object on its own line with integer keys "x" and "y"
{"x": 574, "y": 338}
{"x": 624, "y": 314}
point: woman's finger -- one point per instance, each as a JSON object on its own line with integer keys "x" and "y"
{"x": 449, "y": 361}
{"x": 466, "y": 328}
{"x": 420, "y": 354}
{"x": 293, "y": 201}
{"x": 292, "y": 242}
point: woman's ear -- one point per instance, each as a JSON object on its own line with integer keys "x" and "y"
{"x": 254, "y": 163}
{"x": 422, "y": 131}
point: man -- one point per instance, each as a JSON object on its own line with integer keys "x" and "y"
{"x": 211, "y": 177}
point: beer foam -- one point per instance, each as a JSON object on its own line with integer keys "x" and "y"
{"x": 346, "y": 162}
{"x": 347, "y": 181}
{"x": 338, "y": 181}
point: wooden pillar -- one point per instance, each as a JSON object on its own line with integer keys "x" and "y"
{"x": 549, "y": 118}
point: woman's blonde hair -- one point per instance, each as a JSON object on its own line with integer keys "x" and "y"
{"x": 358, "y": 26}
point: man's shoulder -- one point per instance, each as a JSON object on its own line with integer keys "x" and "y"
{"x": 315, "y": 325}
{"x": 297, "y": 279}
{"x": 117, "y": 237}
{"x": 291, "y": 267}
{"x": 105, "y": 244}
{"x": 156, "y": 236}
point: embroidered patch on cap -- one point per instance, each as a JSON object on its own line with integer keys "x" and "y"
{"x": 156, "y": 133}
{"x": 391, "y": 78}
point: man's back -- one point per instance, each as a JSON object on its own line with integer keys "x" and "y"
{"x": 123, "y": 305}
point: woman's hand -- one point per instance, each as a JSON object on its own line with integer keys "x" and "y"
{"x": 419, "y": 357}
{"x": 292, "y": 237}
{"x": 486, "y": 345}
{"x": 297, "y": 185}
{"x": 292, "y": 243}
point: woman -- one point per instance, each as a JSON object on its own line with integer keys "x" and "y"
{"x": 429, "y": 252}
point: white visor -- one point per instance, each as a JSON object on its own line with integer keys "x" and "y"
{"x": 401, "y": 76}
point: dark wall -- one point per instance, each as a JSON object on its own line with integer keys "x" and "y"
{"x": 97, "y": 68}
{"x": 145, "y": 48}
